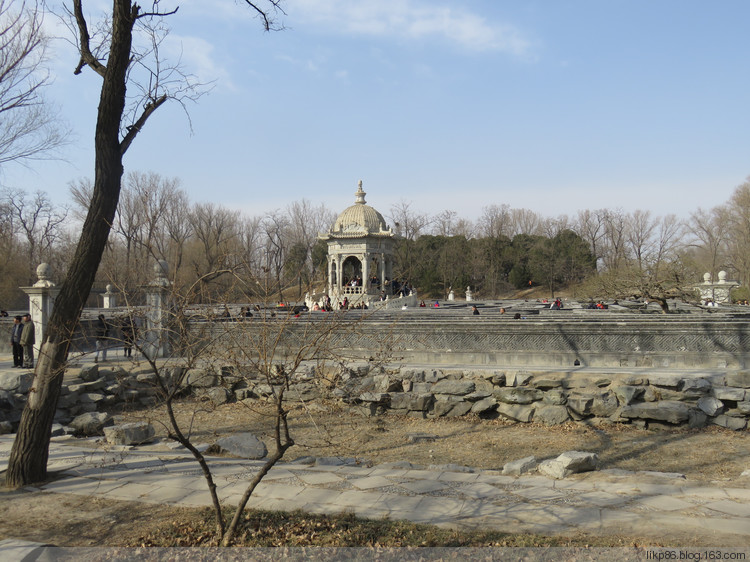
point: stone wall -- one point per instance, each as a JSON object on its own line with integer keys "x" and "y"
{"x": 559, "y": 340}
{"x": 653, "y": 400}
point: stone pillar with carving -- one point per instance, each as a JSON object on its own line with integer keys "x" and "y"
{"x": 110, "y": 298}
{"x": 156, "y": 341}
{"x": 42, "y": 296}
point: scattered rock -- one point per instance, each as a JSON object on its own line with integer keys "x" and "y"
{"x": 89, "y": 373}
{"x": 570, "y": 462}
{"x": 242, "y": 445}
{"x": 201, "y": 378}
{"x": 91, "y": 423}
{"x": 134, "y": 433}
{"x": 218, "y": 395}
{"x": 520, "y": 466}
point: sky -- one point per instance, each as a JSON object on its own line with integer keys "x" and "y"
{"x": 551, "y": 105}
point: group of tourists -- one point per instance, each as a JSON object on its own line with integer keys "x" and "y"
{"x": 22, "y": 340}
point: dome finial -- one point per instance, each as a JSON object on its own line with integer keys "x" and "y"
{"x": 360, "y": 195}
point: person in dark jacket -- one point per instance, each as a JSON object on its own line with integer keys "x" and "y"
{"x": 27, "y": 341}
{"x": 102, "y": 338}
{"x": 15, "y": 342}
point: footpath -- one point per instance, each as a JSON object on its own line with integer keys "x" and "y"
{"x": 599, "y": 502}
{"x": 619, "y": 502}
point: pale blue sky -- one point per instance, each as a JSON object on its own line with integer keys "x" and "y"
{"x": 553, "y": 105}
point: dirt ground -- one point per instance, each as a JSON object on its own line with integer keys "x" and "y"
{"x": 332, "y": 429}
{"x": 709, "y": 455}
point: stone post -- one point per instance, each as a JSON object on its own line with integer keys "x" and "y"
{"x": 42, "y": 296}
{"x": 156, "y": 338}
{"x": 468, "y": 294}
{"x": 451, "y": 294}
{"x": 110, "y": 298}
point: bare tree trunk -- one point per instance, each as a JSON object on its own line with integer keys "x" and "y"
{"x": 28, "y": 458}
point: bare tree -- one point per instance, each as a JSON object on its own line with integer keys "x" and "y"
{"x": 495, "y": 221}
{"x": 639, "y": 236}
{"x": 525, "y": 221}
{"x": 738, "y": 219}
{"x": 29, "y": 128}
{"x": 615, "y": 237}
{"x": 112, "y": 59}
{"x": 39, "y": 222}
{"x": 710, "y": 231}
{"x": 215, "y": 234}
{"x": 589, "y": 225}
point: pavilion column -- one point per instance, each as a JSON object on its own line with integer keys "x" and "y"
{"x": 365, "y": 272}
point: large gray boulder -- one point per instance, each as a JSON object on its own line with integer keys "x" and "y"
{"x": 483, "y": 405}
{"x": 570, "y": 462}
{"x": 201, "y": 378}
{"x": 91, "y": 423}
{"x": 730, "y": 422}
{"x": 551, "y": 414}
{"x": 581, "y": 404}
{"x": 517, "y": 412}
{"x": 627, "y": 394}
{"x": 134, "y": 433}
{"x": 89, "y": 373}
{"x": 456, "y": 388}
{"x": 518, "y": 395}
{"x": 729, "y": 393}
{"x": 19, "y": 382}
{"x": 604, "y": 405}
{"x": 711, "y": 406}
{"x": 243, "y": 445}
{"x": 664, "y": 410}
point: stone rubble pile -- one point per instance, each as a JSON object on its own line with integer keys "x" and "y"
{"x": 660, "y": 400}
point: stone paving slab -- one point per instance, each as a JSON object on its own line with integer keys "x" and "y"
{"x": 539, "y": 494}
{"x": 625, "y": 502}
{"x": 731, "y": 508}
{"x": 665, "y": 503}
{"x": 314, "y": 478}
{"x": 602, "y": 499}
{"x": 370, "y": 482}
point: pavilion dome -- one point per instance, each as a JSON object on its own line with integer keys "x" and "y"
{"x": 360, "y": 219}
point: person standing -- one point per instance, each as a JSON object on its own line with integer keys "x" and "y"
{"x": 128, "y": 336}
{"x": 15, "y": 342}
{"x": 27, "y": 341}
{"x": 102, "y": 337}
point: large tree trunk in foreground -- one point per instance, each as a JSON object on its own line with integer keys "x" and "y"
{"x": 28, "y": 458}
